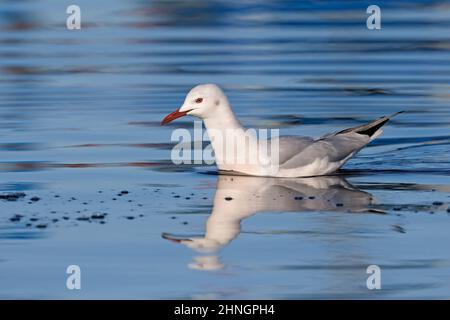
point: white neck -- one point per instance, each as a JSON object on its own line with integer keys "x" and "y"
{"x": 226, "y": 120}
{"x": 221, "y": 129}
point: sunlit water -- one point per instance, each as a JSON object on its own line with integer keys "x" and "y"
{"x": 80, "y": 113}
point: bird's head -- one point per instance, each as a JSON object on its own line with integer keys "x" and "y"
{"x": 202, "y": 101}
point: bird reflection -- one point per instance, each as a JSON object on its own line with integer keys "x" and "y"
{"x": 239, "y": 197}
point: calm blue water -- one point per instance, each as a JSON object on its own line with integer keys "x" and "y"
{"x": 79, "y": 123}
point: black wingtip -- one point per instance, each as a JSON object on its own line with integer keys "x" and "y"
{"x": 371, "y": 130}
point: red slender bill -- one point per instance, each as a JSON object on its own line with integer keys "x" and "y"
{"x": 174, "y": 115}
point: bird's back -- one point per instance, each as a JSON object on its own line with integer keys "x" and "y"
{"x": 304, "y": 156}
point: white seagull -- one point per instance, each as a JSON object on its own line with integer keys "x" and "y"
{"x": 295, "y": 156}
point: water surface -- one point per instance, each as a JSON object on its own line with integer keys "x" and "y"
{"x": 80, "y": 112}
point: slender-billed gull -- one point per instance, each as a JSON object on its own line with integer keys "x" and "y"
{"x": 294, "y": 156}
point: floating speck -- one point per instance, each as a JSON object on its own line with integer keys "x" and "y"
{"x": 398, "y": 228}
{"x": 12, "y": 196}
{"x": 98, "y": 216}
{"x": 16, "y": 218}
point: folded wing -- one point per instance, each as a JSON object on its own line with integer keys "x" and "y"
{"x": 297, "y": 151}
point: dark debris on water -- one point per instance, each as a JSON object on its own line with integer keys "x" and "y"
{"x": 16, "y": 218}
{"x": 14, "y": 196}
{"x": 98, "y": 216}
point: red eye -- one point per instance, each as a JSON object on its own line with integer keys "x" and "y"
{"x": 198, "y": 100}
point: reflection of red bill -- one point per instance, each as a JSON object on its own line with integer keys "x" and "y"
{"x": 172, "y": 238}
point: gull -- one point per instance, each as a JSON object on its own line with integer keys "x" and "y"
{"x": 240, "y": 197}
{"x": 286, "y": 156}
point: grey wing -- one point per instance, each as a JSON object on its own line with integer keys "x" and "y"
{"x": 294, "y": 154}
{"x": 300, "y": 151}
{"x": 290, "y": 146}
